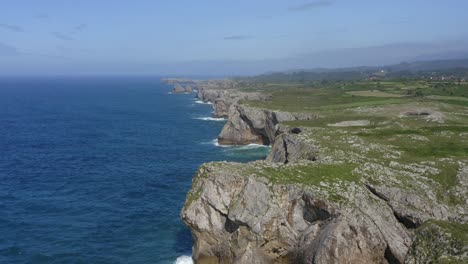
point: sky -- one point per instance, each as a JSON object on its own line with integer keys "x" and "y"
{"x": 221, "y": 37}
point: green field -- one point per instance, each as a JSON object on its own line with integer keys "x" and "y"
{"x": 410, "y": 125}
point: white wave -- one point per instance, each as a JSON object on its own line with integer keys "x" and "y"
{"x": 239, "y": 147}
{"x": 252, "y": 146}
{"x": 201, "y": 102}
{"x": 184, "y": 260}
{"x": 215, "y": 142}
{"x": 211, "y": 119}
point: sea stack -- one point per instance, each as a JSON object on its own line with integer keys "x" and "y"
{"x": 178, "y": 89}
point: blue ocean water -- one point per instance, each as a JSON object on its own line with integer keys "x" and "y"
{"x": 95, "y": 170}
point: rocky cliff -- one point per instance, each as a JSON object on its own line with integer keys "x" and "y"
{"x": 178, "y": 89}
{"x": 265, "y": 213}
{"x": 323, "y": 195}
{"x": 241, "y": 218}
{"x": 247, "y": 125}
{"x": 289, "y": 147}
{"x": 223, "y": 99}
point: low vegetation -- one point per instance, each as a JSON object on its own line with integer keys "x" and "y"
{"x": 409, "y": 134}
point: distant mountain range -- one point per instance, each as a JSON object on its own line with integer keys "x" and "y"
{"x": 429, "y": 65}
{"x": 404, "y": 69}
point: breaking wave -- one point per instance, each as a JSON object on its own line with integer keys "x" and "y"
{"x": 211, "y": 119}
{"x": 237, "y": 147}
{"x": 201, "y": 102}
{"x": 184, "y": 260}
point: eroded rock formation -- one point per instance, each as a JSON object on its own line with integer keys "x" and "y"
{"x": 291, "y": 148}
{"x": 248, "y": 125}
{"x": 178, "y": 89}
{"x": 273, "y": 212}
{"x": 246, "y": 219}
{"x": 223, "y": 99}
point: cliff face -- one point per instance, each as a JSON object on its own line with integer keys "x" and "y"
{"x": 244, "y": 213}
{"x": 323, "y": 195}
{"x": 209, "y": 95}
{"x": 291, "y": 148}
{"x": 248, "y": 125}
{"x": 178, "y": 89}
{"x": 223, "y": 99}
{"x": 240, "y": 219}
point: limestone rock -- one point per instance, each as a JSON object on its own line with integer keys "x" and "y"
{"x": 411, "y": 209}
{"x": 287, "y": 210}
{"x": 223, "y": 99}
{"x": 290, "y": 148}
{"x": 178, "y": 89}
{"x": 251, "y": 125}
{"x": 239, "y": 219}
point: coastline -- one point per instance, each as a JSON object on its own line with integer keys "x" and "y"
{"x": 260, "y": 212}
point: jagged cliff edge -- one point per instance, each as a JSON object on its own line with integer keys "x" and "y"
{"x": 237, "y": 216}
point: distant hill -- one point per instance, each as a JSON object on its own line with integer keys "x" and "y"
{"x": 429, "y": 65}
{"x": 403, "y": 70}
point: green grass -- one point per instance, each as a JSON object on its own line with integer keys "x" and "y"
{"x": 438, "y": 146}
{"x": 449, "y": 98}
{"x": 195, "y": 191}
{"x": 374, "y": 93}
{"x": 300, "y": 97}
{"x": 324, "y": 121}
{"x": 192, "y": 196}
{"x": 360, "y": 103}
{"x": 310, "y": 175}
{"x": 442, "y": 141}
{"x": 455, "y": 102}
{"x": 411, "y": 140}
{"x": 456, "y": 230}
{"x": 308, "y": 99}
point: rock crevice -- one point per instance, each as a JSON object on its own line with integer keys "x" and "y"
{"x": 249, "y": 125}
{"x": 251, "y": 221}
{"x": 285, "y": 210}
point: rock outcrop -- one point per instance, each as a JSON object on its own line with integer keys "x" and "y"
{"x": 178, "y": 89}
{"x": 236, "y": 218}
{"x": 223, "y": 99}
{"x": 291, "y": 148}
{"x": 247, "y": 125}
{"x": 312, "y": 202}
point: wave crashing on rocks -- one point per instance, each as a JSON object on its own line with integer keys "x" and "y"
{"x": 184, "y": 260}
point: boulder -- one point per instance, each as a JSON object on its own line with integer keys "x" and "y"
{"x": 291, "y": 148}
{"x": 238, "y": 219}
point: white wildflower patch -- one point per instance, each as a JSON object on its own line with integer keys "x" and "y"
{"x": 418, "y": 137}
{"x": 416, "y": 168}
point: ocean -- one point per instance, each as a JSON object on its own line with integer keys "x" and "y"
{"x": 95, "y": 170}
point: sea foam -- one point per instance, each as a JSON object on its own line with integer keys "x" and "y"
{"x": 252, "y": 146}
{"x": 211, "y": 119}
{"x": 184, "y": 260}
{"x": 201, "y": 102}
{"x": 249, "y": 146}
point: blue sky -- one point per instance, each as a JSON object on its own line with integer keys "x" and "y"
{"x": 223, "y": 37}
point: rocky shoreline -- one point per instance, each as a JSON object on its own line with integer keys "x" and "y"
{"x": 241, "y": 213}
